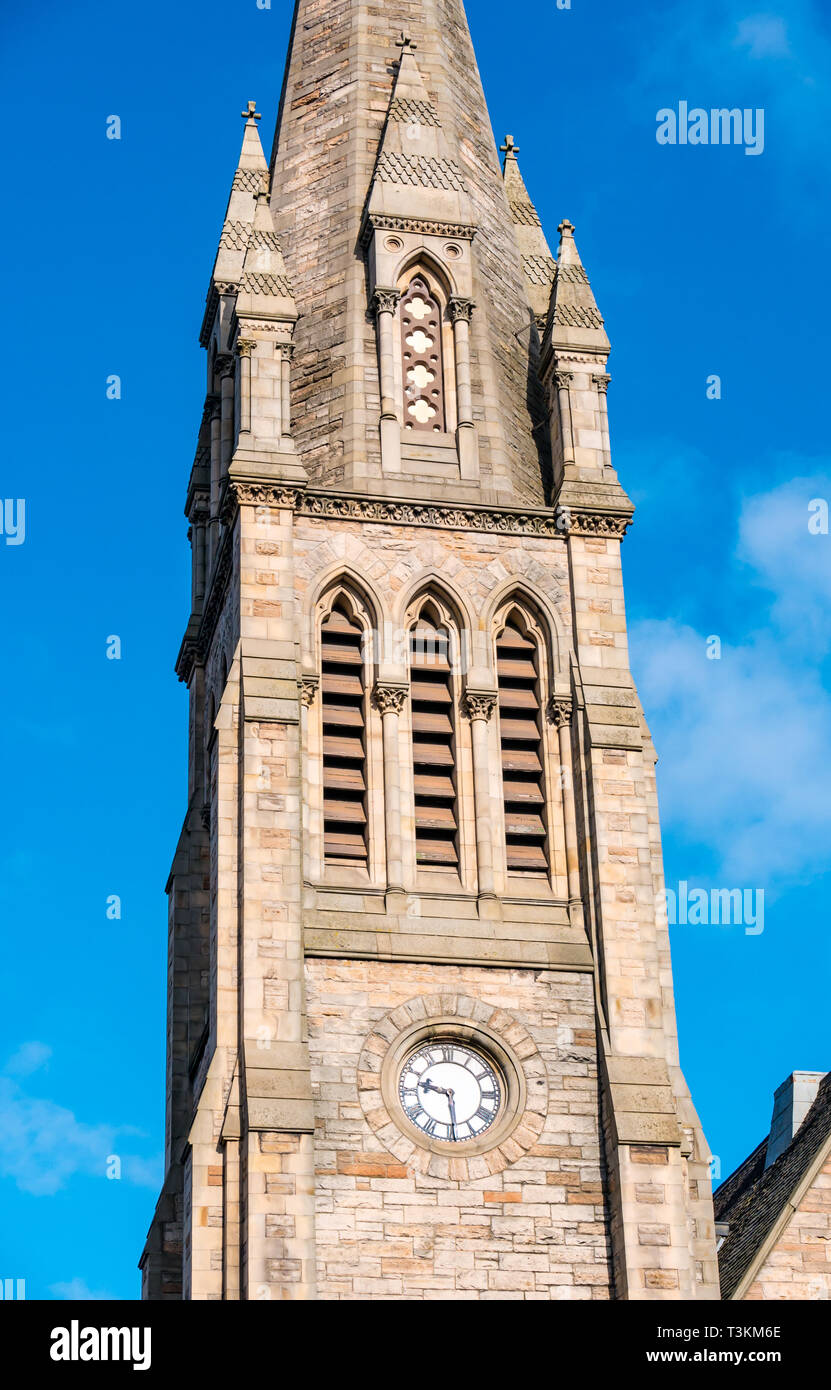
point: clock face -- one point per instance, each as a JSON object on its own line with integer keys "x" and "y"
{"x": 449, "y": 1091}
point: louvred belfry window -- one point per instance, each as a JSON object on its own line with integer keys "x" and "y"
{"x": 343, "y": 690}
{"x": 434, "y": 749}
{"x": 520, "y": 724}
{"x": 422, "y": 358}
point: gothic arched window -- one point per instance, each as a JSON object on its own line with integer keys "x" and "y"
{"x": 522, "y": 747}
{"x": 343, "y": 690}
{"x": 434, "y": 741}
{"x": 422, "y": 357}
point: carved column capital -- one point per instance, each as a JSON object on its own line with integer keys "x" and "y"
{"x": 602, "y": 383}
{"x": 480, "y": 704}
{"x": 308, "y": 687}
{"x": 245, "y": 346}
{"x": 563, "y": 380}
{"x": 224, "y": 364}
{"x": 390, "y": 699}
{"x": 284, "y": 351}
{"x": 560, "y": 709}
{"x": 459, "y": 308}
{"x": 385, "y": 300}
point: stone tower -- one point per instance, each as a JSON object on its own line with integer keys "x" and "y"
{"x": 421, "y": 1030}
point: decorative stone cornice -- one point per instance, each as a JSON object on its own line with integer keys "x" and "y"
{"x": 460, "y": 309}
{"x": 390, "y": 699}
{"x": 479, "y": 704}
{"x": 386, "y": 222}
{"x": 503, "y": 521}
{"x": 574, "y": 521}
{"x": 384, "y": 301}
{"x": 308, "y": 687}
{"x": 560, "y": 709}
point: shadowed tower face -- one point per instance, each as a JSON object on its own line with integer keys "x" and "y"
{"x": 421, "y": 1032}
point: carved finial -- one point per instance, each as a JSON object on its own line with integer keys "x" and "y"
{"x": 252, "y": 114}
{"x": 509, "y": 149}
{"x": 405, "y": 43}
{"x": 566, "y": 228}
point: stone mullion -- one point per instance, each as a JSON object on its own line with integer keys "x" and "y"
{"x": 560, "y": 713}
{"x": 479, "y": 707}
{"x": 311, "y": 763}
{"x": 389, "y": 700}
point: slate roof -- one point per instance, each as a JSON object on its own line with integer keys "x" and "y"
{"x": 753, "y": 1198}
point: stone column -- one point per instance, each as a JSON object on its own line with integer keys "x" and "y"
{"x": 479, "y": 707}
{"x": 560, "y": 712}
{"x": 384, "y": 304}
{"x": 245, "y": 347}
{"x": 389, "y": 700}
{"x": 200, "y": 523}
{"x": 602, "y": 384}
{"x": 225, "y": 368}
{"x": 563, "y": 382}
{"x": 312, "y": 846}
{"x": 214, "y": 406}
{"x": 286, "y": 351}
{"x": 461, "y": 313}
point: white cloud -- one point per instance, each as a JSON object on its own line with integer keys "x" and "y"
{"x": 78, "y": 1289}
{"x": 28, "y": 1058}
{"x": 764, "y": 36}
{"x": 745, "y": 741}
{"x": 790, "y": 561}
{"x": 43, "y": 1145}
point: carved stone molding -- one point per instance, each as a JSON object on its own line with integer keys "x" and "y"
{"x": 386, "y": 222}
{"x": 602, "y": 383}
{"x": 245, "y": 346}
{"x": 390, "y": 699}
{"x": 308, "y": 687}
{"x": 384, "y": 301}
{"x": 560, "y": 709}
{"x": 576, "y": 522}
{"x": 460, "y": 309}
{"x": 259, "y": 495}
{"x": 503, "y": 522}
{"x": 479, "y": 704}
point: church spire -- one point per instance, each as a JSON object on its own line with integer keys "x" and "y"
{"x": 575, "y": 322}
{"x": 250, "y": 176}
{"x": 538, "y": 264}
{"x": 385, "y": 167}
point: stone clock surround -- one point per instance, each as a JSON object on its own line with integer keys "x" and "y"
{"x": 505, "y": 1043}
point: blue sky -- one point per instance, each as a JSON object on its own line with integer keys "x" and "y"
{"x": 704, "y": 261}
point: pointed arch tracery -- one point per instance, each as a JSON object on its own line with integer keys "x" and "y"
{"x": 423, "y": 357}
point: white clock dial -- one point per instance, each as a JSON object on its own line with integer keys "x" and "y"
{"x": 449, "y": 1091}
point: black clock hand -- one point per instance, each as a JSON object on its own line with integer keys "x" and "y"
{"x": 452, "y": 1115}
